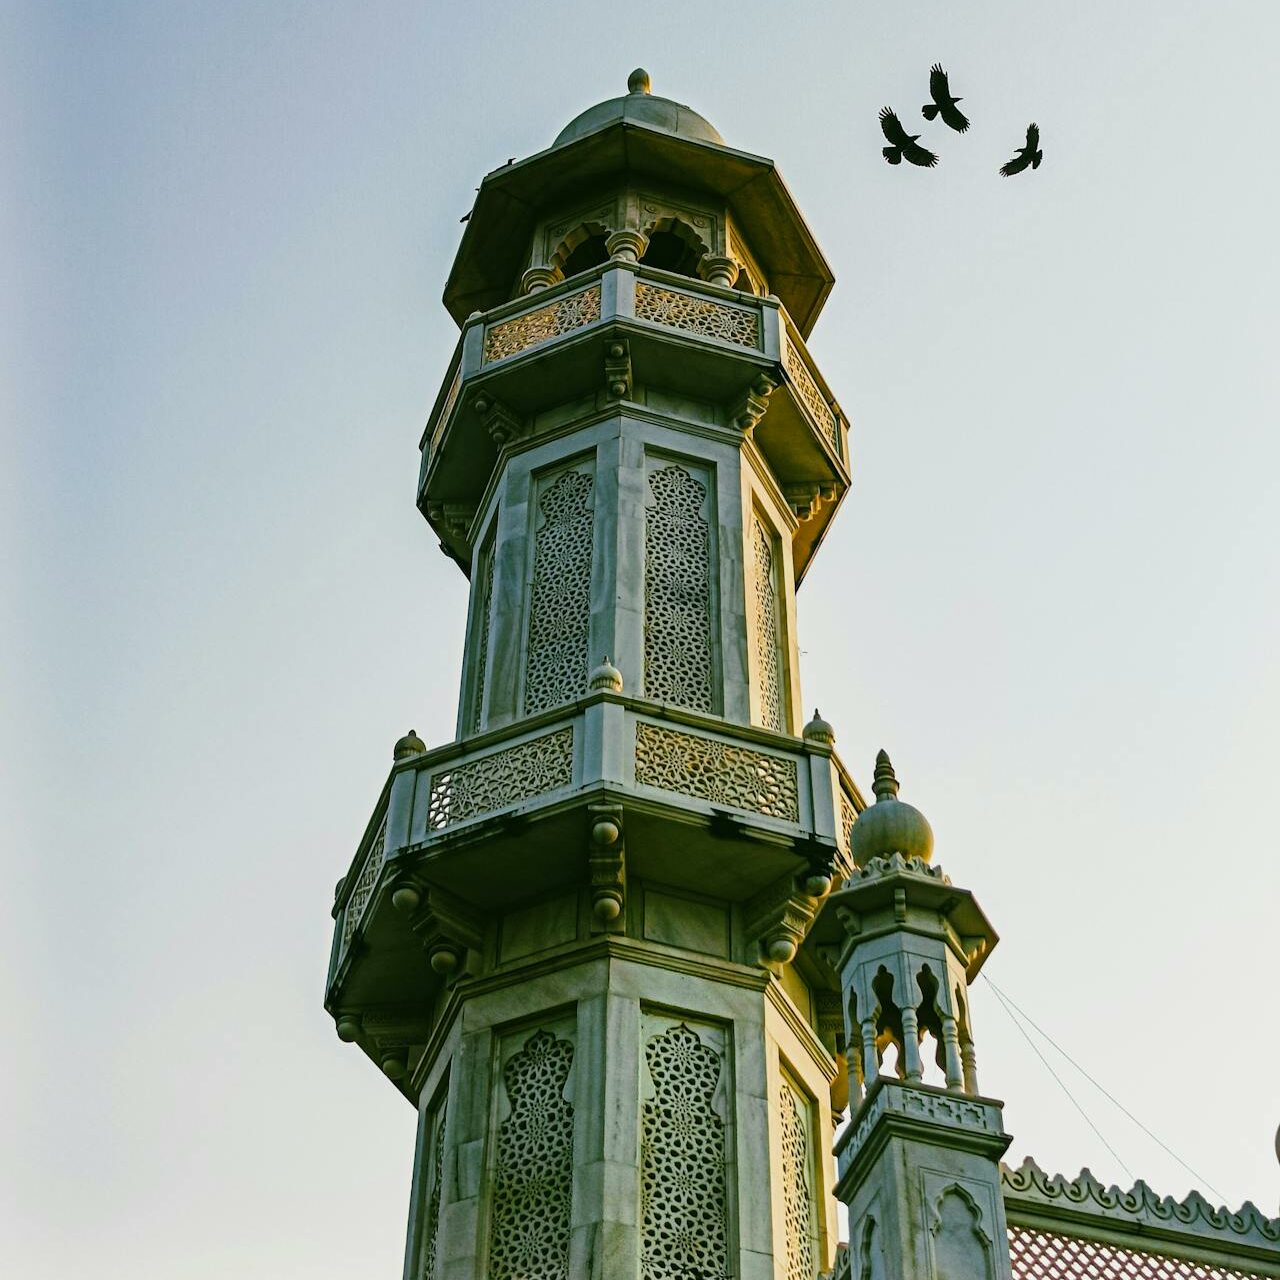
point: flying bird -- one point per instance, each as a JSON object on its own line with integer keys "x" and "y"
{"x": 904, "y": 143}
{"x": 1028, "y": 155}
{"x": 943, "y": 103}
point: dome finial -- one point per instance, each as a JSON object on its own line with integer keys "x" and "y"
{"x": 884, "y": 781}
{"x": 638, "y": 81}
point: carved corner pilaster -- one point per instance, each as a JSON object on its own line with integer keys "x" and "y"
{"x": 500, "y": 422}
{"x": 778, "y": 918}
{"x": 606, "y": 865}
{"x": 617, "y": 370}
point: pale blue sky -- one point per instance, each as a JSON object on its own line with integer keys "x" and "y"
{"x": 1052, "y": 593}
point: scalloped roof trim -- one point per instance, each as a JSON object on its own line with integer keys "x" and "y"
{"x": 895, "y": 863}
{"x": 1139, "y": 1204}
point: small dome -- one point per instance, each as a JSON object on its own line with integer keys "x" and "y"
{"x": 818, "y": 730}
{"x": 640, "y": 107}
{"x": 409, "y": 745}
{"x": 890, "y": 825}
{"x": 605, "y": 676}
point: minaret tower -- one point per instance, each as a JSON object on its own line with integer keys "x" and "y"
{"x": 574, "y": 937}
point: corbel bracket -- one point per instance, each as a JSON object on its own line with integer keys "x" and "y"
{"x": 617, "y": 370}
{"x": 779, "y": 917}
{"x": 751, "y": 408}
{"x": 499, "y": 421}
{"x": 606, "y": 865}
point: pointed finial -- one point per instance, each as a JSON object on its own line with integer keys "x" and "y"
{"x": 638, "y": 81}
{"x": 818, "y": 730}
{"x": 884, "y": 782}
{"x": 408, "y": 746}
{"x": 605, "y": 676}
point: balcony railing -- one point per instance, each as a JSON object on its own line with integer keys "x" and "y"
{"x": 648, "y": 297}
{"x": 775, "y": 782}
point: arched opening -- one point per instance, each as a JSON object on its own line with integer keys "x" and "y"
{"x": 580, "y": 250}
{"x": 674, "y": 246}
{"x": 743, "y": 283}
{"x": 590, "y": 253}
{"x": 933, "y": 1061}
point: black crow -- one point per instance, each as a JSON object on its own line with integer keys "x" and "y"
{"x": 943, "y": 103}
{"x": 904, "y": 143}
{"x": 1028, "y": 155}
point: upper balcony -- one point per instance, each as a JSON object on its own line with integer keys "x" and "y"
{"x": 611, "y": 335}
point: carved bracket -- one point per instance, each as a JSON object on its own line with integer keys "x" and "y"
{"x": 751, "y": 408}
{"x": 447, "y": 926}
{"x": 500, "y": 422}
{"x": 455, "y": 520}
{"x": 617, "y": 370}
{"x": 607, "y": 867}
{"x": 779, "y": 917}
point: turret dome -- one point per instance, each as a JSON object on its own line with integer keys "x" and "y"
{"x": 640, "y": 106}
{"x": 890, "y": 825}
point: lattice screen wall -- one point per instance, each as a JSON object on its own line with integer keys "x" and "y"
{"x": 768, "y": 627}
{"x": 560, "y": 599}
{"x": 797, "y": 1182}
{"x": 533, "y": 1177}
{"x": 684, "y": 1201}
{"x": 1044, "y": 1255}
{"x": 677, "y": 589}
{"x": 431, "y": 1219}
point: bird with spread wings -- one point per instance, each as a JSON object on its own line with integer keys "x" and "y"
{"x": 943, "y": 103}
{"x": 1028, "y": 155}
{"x": 903, "y": 143}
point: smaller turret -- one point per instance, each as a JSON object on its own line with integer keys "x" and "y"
{"x": 918, "y": 1163}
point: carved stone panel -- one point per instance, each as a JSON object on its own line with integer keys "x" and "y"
{"x": 560, "y": 598}
{"x": 767, "y": 628}
{"x": 684, "y": 1198}
{"x": 431, "y": 1218}
{"x": 533, "y": 1175}
{"x": 797, "y": 1183}
{"x": 677, "y": 590}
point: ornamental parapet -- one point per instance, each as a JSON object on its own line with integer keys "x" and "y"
{"x": 615, "y": 333}
{"x": 489, "y": 816}
{"x": 1049, "y": 1215}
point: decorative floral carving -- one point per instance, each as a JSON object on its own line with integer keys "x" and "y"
{"x": 1046, "y": 1255}
{"x": 494, "y": 781}
{"x": 682, "y": 1178}
{"x": 697, "y": 315}
{"x": 717, "y": 771}
{"x": 364, "y": 887}
{"x": 556, "y": 318}
{"x": 797, "y": 1194}
{"x": 894, "y": 864}
{"x": 560, "y": 603}
{"x": 677, "y": 592}
{"x": 533, "y": 1182}
{"x": 768, "y": 661}
{"x": 807, "y": 389}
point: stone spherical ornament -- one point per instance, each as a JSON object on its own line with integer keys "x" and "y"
{"x": 818, "y": 730}
{"x": 605, "y": 832}
{"x": 444, "y": 960}
{"x": 605, "y": 676}
{"x": 781, "y": 949}
{"x": 393, "y": 1066}
{"x": 409, "y": 746}
{"x": 607, "y": 907}
{"x": 890, "y": 825}
{"x": 348, "y": 1029}
{"x": 817, "y": 885}
{"x": 406, "y": 899}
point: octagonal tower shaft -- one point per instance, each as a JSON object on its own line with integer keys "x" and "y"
{"x": 572, "y": 936}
